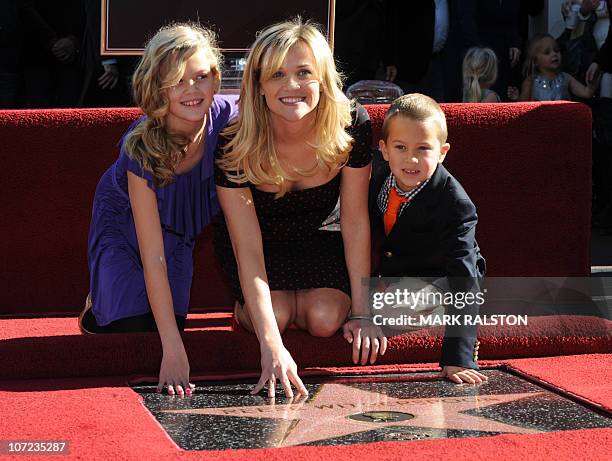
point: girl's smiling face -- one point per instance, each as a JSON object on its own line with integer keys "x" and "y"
{"x": 190, "y": 99}
{"x": 293, "y": 91}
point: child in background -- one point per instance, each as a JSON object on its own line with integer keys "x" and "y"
{"x": 544, "y": 80}
{"x": 151, "y": 204}
{"x": 479, "y": 74}
{"x": 600, "y": 33}
{"x": 424, "y": 219}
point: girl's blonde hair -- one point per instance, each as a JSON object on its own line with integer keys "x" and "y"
{"x": 479, "y": 69}
{"x": 250, "y": 155}
{"x": 533, "y": 48}
{"x": 162, "y": 65}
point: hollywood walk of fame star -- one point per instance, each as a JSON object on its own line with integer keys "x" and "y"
{"x": 326, "y": 414}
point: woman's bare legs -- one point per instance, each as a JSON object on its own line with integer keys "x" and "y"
{"x": 321, "y": 311}
{"x": 283, "y": 304}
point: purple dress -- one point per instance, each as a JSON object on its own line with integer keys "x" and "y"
{"x": 185, "y": 206}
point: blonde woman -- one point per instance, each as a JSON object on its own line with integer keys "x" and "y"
{"x": 155, "y": 199}
{"x": 479, "y": 75}
{"x": 292, "y": 177}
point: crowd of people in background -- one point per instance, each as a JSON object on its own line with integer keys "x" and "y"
{"x": 51, "y": 56}
{"x": 450, "y": 50}
{"x": 420, "y": 45}
{"x": 443, "y": 47}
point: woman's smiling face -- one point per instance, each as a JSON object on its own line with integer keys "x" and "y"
{"x": 293, "y": 91}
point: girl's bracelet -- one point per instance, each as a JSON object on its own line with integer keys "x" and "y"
{"x": 360, "y": 317}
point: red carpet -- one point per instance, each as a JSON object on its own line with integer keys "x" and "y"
{"x": 104, "y": 419}
{"x": 80, "y": 391}
{"x": 45, "y": 348}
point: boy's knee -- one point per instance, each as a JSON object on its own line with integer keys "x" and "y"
{"x": 324, "y": 319}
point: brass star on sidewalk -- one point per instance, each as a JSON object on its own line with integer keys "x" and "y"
{"x": 331, "y": 412}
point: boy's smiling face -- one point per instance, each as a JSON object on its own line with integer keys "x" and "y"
{"x": 413, "y": 150}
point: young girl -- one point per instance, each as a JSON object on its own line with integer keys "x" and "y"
{"x": 155, "y": 199}
{"x": 544, "y": 80}
{"x": 292, "y": 176}
{"x": 479, "y": 74}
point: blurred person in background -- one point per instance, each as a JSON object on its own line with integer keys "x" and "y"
{"x": 415, "y": 40}
{"x": 483, "y": 23}
{"x": 10, "y": 53}
{"x": 51, "y": 73}
{"x": 602, "y": 117}
{"x": 106, "y": 79}
{"x": 358, "y": 38}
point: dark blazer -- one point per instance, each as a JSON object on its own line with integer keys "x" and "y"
{"x": 433, "y": 237}
{"x": 358, "y": 38}
{"x": 409, "y": 36}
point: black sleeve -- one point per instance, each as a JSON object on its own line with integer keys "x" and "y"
{"x": 221, "y": 178}
{"x": 467, "y": 23}
{"x": 459, "y": 237}
{"x": 36, "y": 26}
{"x": 459, "y": 351}
{"x": 462, "y": 268}
{"x": 604, "y": 55}
{"x": 532, "y": 7}
{"x": 361, "y": 131}
{"x": 390, "y": 41}
{"x": 514, "y": 36}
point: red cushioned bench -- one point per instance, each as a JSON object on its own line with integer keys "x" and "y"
{"x": 526, "y": 166}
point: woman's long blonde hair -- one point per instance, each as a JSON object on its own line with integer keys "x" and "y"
{"x": 162, "y": 66}
{"x": 479, "y": 69}
{"x": 250, "y": 155}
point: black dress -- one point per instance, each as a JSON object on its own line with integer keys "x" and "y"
{"x": 301, "y": 237}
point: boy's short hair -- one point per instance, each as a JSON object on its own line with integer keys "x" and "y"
{"x": 417, "y": 107}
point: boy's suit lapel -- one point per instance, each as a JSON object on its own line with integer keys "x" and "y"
{"x": 379, "y": 175}
{"x": 418, "y": 210}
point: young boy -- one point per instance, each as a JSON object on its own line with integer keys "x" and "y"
{"x": 424, "y": 220}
